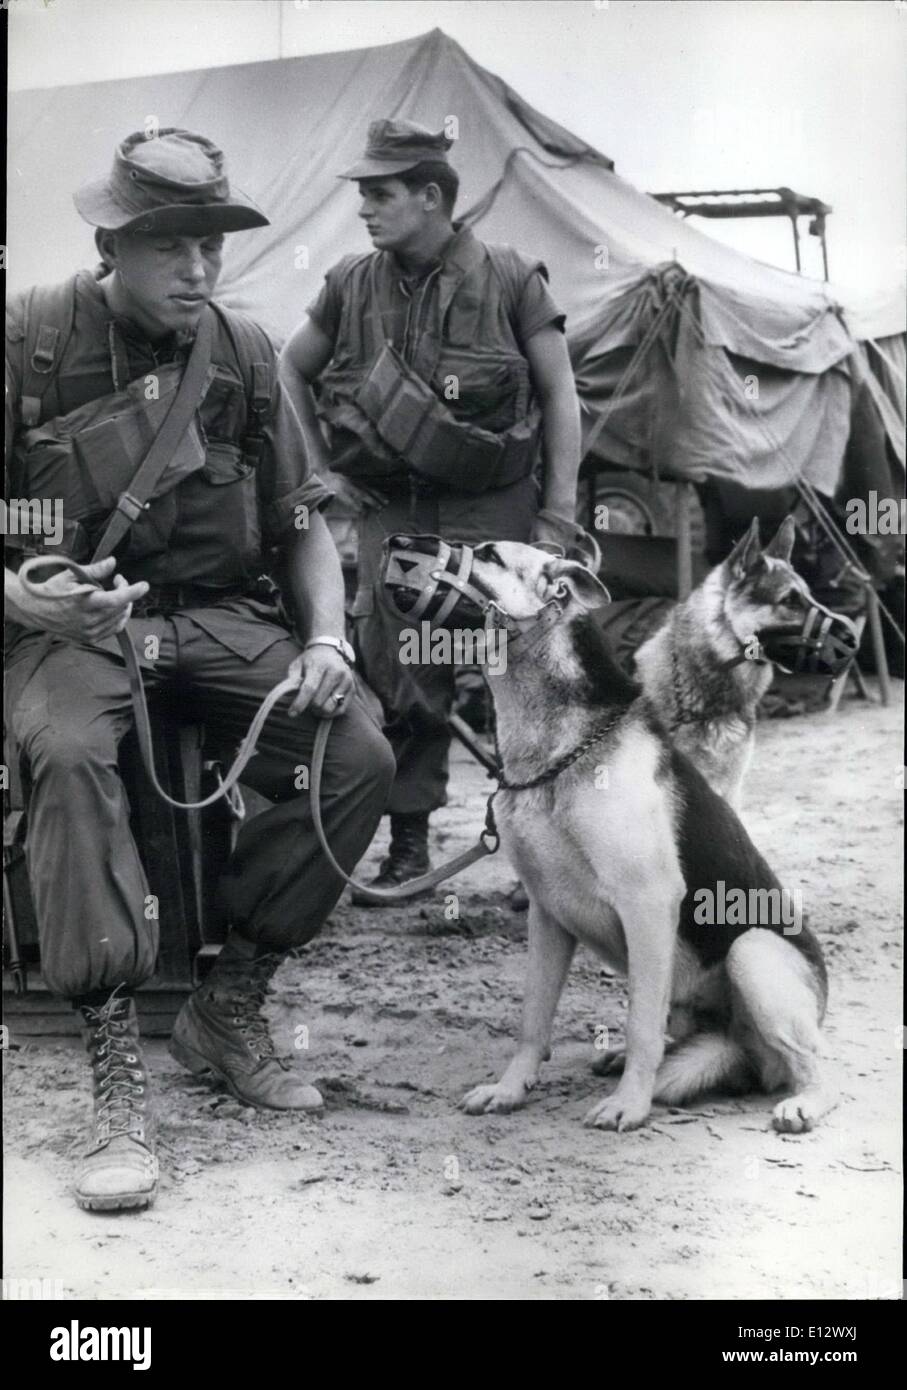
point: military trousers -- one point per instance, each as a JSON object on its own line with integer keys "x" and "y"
{"x": 69, "y": 713}
{"x": 417, "y": 699}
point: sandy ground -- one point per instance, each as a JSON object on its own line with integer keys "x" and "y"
{"x": 393, "y": 1193}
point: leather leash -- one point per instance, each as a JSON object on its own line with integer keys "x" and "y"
{"x": 291, "y": 682}
{"x": 486, "y": 844}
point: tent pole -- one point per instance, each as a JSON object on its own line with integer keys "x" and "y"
{"x": 878, "y": 644}
{"x": 793, "y": 223}
{"x": 684, "y": 541}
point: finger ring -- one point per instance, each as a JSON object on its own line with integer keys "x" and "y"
{"x": 340, "y": 699}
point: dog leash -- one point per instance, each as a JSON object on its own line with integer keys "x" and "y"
{"x": 488, "y": 841}
{"x": 291, "y": 682}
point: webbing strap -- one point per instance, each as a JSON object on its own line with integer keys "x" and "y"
{"x": 261, "y": 386}
{"x": 45, "y": 351}
{"x": 41, "y": 362}
{"x": 48, "y": 318}
{"x": 182, "y": 408}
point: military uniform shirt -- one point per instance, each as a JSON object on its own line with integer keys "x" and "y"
{"x": 536, "y": 308}
{"x": 203, "y": 546}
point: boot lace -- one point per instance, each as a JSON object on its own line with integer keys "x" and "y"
{"x": 118, "y": 1070}
{"x": 248, "y": 1004}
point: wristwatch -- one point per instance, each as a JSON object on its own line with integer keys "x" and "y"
{"x": 340, "y": 643}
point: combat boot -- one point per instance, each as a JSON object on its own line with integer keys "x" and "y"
{"x": 220, "y": 1028}
{"x": 119, "y": 1171}
{"x": 408, "y": 857}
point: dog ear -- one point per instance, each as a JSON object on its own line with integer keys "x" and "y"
{"x": 746, "y": 552}
{"x": 782, "y": 542}
{"x": 583, "y": 584}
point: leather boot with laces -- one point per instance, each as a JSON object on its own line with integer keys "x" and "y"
{"x": 119, "y": 1171}
{"x": 221, "y": 1029}
{"x": 408, "y": 857}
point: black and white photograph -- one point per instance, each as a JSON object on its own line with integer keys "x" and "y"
{"x": 453, "y": 781}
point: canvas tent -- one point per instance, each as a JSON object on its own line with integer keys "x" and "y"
{"x": 748, "y": 374}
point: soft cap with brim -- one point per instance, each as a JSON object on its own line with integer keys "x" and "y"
{"x": 174, "y": 182}
{"x": 392, "y": 147}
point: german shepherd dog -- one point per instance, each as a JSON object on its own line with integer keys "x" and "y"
{"x": 614, "y": 833}
{"x": 704, "y": 671}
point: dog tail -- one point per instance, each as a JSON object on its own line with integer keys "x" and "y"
{"x": 701, "y": 1063}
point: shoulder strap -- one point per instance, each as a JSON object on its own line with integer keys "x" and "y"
{"x": 177, "y": 420}
{"x": 49, "y": 311}
{"x": 255, "y": 355}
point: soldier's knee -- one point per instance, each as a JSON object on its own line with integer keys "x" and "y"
{"x": 366, "y": 756}
{"x": 62, "y": 752}
{"x": 386, "y": 763}
{"x": 378, "y": 764}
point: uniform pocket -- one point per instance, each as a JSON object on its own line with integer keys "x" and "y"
{"x": 491, "y": 386}
{"x": 224, "y": 464}
{"x": 241, "y": 626}
{"x": 229, "y": 517}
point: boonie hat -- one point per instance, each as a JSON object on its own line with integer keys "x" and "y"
{"x": 173, "y": 182}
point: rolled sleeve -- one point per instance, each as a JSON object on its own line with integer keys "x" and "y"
{"x": 325, "y": 311}
{"x": 537, "y": 308}
{"x": 288, "y": 483}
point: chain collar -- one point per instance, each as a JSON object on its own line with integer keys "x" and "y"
{"x": 562, "y": 763}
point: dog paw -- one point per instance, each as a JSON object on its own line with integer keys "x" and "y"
{"x": 795, "y": 1115}
{"x": 610, "y": 1063}
{"x": 617, "y": 1112}
{"x": 493, "y": 1100}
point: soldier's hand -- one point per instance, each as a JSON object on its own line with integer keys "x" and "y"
{"x": 557, "y": 528}
{"x": 66, "y": 607}
{"x": 327, "y": 683}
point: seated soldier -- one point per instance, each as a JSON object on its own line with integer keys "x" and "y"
{"x": 97, "y": 353}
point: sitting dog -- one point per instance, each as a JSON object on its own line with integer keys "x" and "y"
{"x": 616, "y": 837}
{"x": 704, "y": 671}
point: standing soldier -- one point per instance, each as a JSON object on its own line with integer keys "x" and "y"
{"x": 442, "y": 369}
{"x": 89, "y": 364}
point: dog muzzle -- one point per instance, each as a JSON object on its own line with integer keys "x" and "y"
{"x": 824, "y": 644}
{"x": 424, "y": 579}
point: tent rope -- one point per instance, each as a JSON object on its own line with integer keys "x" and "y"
{"x": 645, "y": 343}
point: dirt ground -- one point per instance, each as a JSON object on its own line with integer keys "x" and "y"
{"x": 393, "y": 1193}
